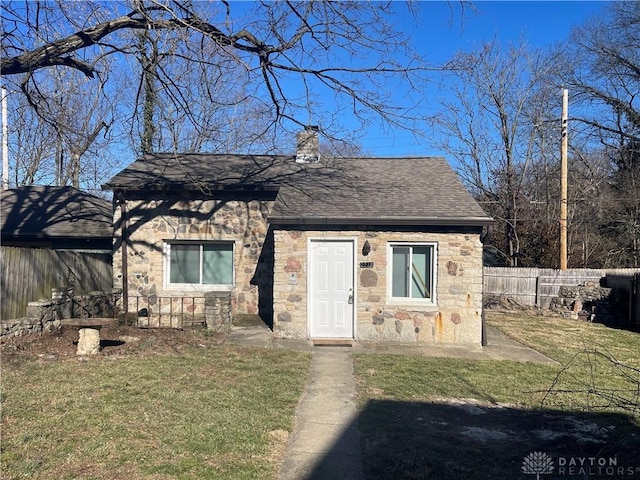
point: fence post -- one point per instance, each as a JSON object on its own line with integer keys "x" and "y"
{"x": 634, "y": 302}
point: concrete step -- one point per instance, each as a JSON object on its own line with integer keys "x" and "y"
{"x": 332, "y": 342}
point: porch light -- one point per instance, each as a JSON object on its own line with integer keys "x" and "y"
{"x": 366, "y": 248}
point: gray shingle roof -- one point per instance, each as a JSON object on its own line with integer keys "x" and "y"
{"x": 393, "y": 191}
{"x": 47, "y": 212}
{"x": 382, "y": 190}
{"x": 193, "y": 171}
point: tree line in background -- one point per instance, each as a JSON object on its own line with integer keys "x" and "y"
{"x": 503, "y": 128}
{"x": 99, "y": 80}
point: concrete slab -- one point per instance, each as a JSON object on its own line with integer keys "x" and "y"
{"x": 499, "y": 346}
{"x": 292, "y": 344}
{"x": 334, "y": 414}
{"x": 249, "y": 336}
{"x": 325, "y": 438}
{"x": 251, "y": 331}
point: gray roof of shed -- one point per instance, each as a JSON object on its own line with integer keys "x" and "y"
{"x": 45, "y": 212}
{"x": 389, "y": 191}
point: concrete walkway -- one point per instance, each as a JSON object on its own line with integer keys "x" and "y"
{"x": 325, "y": 443}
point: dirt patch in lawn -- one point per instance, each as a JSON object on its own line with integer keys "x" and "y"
{"x": 465, "y": 439}
{"x": 119, "y": 340}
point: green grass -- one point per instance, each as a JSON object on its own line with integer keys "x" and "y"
{"x": 224, "y": 412}
{"x": 600, "y": 365}
{"x": 561, "y": 338}
{"x": 216, "y": 413}
{"x": 425, "y": 379}
{"x": 589, "y": 356}
{"x": 448, "y": 418}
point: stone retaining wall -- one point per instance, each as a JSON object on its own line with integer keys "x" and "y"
{"x": 45, "y": 315}
{"x": 588, "y": 302}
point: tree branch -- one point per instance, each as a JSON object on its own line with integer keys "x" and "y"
{"x": 57, "y": 53}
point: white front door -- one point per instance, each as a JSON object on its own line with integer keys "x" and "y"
{"x": 331, "y": 289}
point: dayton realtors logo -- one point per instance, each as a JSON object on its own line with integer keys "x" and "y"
{"x": 540, "y": 463}
{"x": 537, "y": 463}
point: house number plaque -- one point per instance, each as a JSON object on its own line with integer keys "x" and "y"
{"x": 366, "y": 264}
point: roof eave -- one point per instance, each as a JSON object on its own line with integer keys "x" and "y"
{"x": 189, "y": 187}
{"x": 405, "y": 221}
{"x": 47, "y": 236}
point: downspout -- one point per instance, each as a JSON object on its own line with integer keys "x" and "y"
{"x": 484, "y": 328}
{"x": 483, "y": 321}
{"x": 123, "y": 248}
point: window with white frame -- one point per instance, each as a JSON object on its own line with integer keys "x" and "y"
{"x": 199, "y": 263}
{"x": 412, "y": 272}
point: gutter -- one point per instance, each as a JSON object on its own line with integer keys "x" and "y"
{"x": 405, "y": 221}
{"x": 190, "y": 187}
{"x": 123, "y": 248}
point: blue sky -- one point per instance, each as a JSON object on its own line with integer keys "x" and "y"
{"x": 541, "y": 23}
{"x": 440, "y": 32}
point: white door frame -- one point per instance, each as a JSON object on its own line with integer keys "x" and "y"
{"x": 316, "y": 240}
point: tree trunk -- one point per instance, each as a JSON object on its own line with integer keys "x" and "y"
{"x": 149, "y": 61}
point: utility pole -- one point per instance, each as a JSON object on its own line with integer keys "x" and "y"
{"x": 5, "y": 141}
{"x": 563, "y": 180}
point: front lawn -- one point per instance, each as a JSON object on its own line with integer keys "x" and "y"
{"x": 439, "y": 418}
{"x": 221, "y": 412}
{"x": 562, "y": 338}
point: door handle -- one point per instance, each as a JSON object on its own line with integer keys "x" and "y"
{"x": 350, "y": 301}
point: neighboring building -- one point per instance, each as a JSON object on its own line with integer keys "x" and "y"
{"x": 371, "y": 249}
{"x": 52, "y": 237}
{"x": 60, "y": 218}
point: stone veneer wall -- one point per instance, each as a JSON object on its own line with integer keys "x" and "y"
{"x": 152, "y": 222}
{"x": 456, "y": 319}
{"x": 45, "y": 315}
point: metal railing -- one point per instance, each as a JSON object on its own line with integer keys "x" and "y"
{"x": 166, "y": 312}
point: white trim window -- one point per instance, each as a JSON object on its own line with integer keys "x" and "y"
{"x": 206, "y": 264}
{"x": 412, "y": 270}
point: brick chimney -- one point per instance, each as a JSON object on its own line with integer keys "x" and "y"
{"x": 307, "y": 145}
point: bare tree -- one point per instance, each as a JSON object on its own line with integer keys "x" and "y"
{"x": 583, "y": 383}
{"x": 496, "y": 125}
{"x": 66, "y": 119}
{"x": 32, "y": 150}
{"x": 186, "y": 107}
{"x": 601, "y": 66}
{"x": 148, "y": 57}
{"x": 281, "y": 56}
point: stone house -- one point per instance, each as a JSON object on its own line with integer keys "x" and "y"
{"x": 365, "y": 249}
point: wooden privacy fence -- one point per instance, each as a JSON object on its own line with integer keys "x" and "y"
{"x": 630, "y": 286}
{"x": 29, "y": 274}
{"x": 537, "y": 286}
